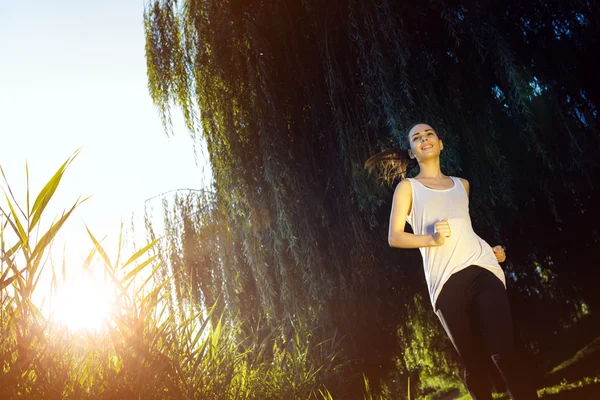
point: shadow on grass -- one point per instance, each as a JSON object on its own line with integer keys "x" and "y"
{"x": 584, "y": 362}
{"x": 576, "y": 378}
{"x": 589, "y": 392}
{"x": 450, "y": 395}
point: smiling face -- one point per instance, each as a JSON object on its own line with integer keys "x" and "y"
{"x": 424, "y": 142}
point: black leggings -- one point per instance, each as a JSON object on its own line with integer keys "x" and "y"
{"x": 473, "y": 305}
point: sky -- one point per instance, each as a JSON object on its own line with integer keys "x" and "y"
{"x": 73, "y": 74}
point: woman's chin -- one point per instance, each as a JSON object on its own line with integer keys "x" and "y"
{"x": 428, "y": 155}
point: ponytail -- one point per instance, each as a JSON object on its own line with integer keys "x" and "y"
{"x": 391, "y": 164}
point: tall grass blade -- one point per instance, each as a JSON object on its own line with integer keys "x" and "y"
{"x": 17, "y": 226}
{"x": 11, "y": 251}
{"x": 4, "y": 281}
{"x": 27, "y": 189}
{"x": 43, "y": 198}
{"x": 134, "y": 272}
{"x": 100, "y": 249}
{"x": 54, "y": 280}
{"x": 139, "y": 253}
{"x": 88, "y": 260}
{"x": 119, "y": 244}
{"x": 149, "y": 278}
{"x": 18, "y": 276}
{"x": 11, "y": 193}
{"x": 47, "y": 238}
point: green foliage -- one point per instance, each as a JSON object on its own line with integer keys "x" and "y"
{"x": 292, "y": 97}
{"x": 427, "y": 355}
{"x": 591, "y": 381}
{"x": 142, "y": 350}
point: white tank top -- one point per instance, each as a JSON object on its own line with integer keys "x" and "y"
{"x": 462, "y": 249}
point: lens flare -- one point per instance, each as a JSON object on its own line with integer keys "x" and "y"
{"x": 83, "y": 304}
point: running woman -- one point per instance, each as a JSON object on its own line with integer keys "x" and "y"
{"x": 467, "y": 286}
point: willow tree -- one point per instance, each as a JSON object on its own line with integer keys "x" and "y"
{"x": 292, "y": 97}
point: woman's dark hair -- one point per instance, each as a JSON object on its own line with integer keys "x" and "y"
{"x": 392, "y": 163}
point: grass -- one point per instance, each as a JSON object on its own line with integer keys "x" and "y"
{"x": 576, "y": 377}
{"x": 568, "y": 380}
{"x": 146, "y": 348}
{"x": 565, "y": 387}
{"x": 586, "y": 353}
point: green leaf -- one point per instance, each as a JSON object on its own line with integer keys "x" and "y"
{"x": 116, "y": 281}
{"x": 88, "y": 259}
{"x": 154, "y": 271}
{"x": 100, "y": 249}
{"x": 140, "y": 252}
{"x": 120, "y": 244}
{"x": 18, "y": 274}
{"x": 48, "y": 191}
{"x": 107, "y": 264}
{"x": 27, "y": 182}
{"x": 17, "y": 226}
{"x": 200, "y": 331}
{"x": 152, "y": 298}
{"x": 4, "y": 282}
{"x": 47, "y": 238}
{"x": 137, "y": 269}
{"x": 12, "y": 250}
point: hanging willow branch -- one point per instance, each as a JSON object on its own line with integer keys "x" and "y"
{"x": 292, "y": 97}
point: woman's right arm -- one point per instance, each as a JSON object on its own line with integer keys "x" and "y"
{"x": 400, "y": 208}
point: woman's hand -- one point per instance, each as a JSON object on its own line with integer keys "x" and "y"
{"x": 499, "y": 253}
{"x": 442, "y": 231}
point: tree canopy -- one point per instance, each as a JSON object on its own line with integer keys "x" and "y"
{"x": 292, "y": 97}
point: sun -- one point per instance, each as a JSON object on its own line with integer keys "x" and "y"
{"x": 83, "y": 303}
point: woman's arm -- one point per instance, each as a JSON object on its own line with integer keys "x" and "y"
{"x": 401, "y": 205}
{"x": 466, "y": 185}
{"x": 498, "y": 250}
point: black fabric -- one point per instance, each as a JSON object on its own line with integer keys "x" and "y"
{"x": 473, "y": 307}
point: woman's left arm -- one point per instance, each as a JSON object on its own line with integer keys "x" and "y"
{"x": 498, "y": 250}
{"x": 466, "y": 185}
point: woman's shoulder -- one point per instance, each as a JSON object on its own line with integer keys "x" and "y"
{"x": 465, "y": 183}
{"x": 404, "y": 184}
{"x": 403, "y": 189}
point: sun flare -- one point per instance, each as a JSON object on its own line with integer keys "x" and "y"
{"x": 83, "y": 304}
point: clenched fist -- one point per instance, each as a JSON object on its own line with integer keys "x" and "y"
{"x": 442, "y": 231}
{"x": 499, "y": 253}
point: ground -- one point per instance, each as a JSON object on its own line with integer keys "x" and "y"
{"x": 571, "y": 371}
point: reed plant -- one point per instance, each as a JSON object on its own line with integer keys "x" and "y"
{"x": 144, "y": 349}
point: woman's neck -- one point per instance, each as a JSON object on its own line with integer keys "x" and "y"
{"x": 430, "y": 169}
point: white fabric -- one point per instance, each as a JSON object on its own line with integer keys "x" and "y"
{"x": 462, "y": 249}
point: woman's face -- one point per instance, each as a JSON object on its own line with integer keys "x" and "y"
{"x": 424, "y": 142}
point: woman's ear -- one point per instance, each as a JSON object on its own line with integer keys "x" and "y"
{"x": 411, "y": 154}
{"x": 441, "y": 145}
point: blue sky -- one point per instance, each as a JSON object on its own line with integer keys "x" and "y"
{"x": 73, "y": 74}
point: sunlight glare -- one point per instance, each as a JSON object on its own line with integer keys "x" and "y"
{"x": 83, "y": 304}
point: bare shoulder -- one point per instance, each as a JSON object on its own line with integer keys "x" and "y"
{"x": 403, "y": 192}
{"x": 402, "y": 203}
{"x": 465, "y": 184}
{"x": 403, "y": 188}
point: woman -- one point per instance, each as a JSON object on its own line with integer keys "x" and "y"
{"x": 466, "y": 284}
